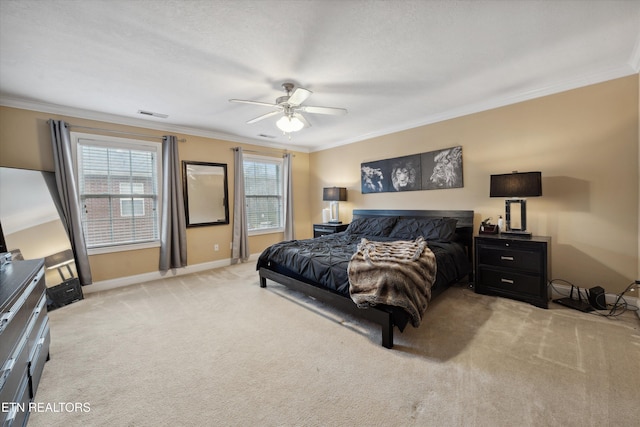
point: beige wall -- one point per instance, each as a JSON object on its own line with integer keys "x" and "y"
{"x": 25, "y": 142}
{"x": 584, "y": 141}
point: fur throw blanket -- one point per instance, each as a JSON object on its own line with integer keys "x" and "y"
{"x": 398, "y": 273}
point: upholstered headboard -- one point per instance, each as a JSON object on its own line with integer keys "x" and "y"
{"x": 464, "y": 226}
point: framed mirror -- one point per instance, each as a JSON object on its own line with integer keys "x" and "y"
{"x": 205, "y": 193}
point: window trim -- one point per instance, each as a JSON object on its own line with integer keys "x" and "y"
{"x": 125, "y": 143}
{"x": 280, "y": 161}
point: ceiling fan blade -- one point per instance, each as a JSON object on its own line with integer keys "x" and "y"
{"x": 262, "y": 117}
{"x": 302, "y": 119}
{"x": 299, "y": 96}
{"x": 323, "y": 110}
{"x": 265, "y": 104}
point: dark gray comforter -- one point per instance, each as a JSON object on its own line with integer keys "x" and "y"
{"x": 323, "y": 261}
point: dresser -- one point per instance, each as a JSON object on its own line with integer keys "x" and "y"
{"x": 328, "y": 228}
{"x": 513, "y": 267}
{"x": 24, "y": 337}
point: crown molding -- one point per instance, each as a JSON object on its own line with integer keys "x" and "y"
{"x": 79, "y": 113}
{"x": 490, "y": 104}
{"x": 513, "y": 98}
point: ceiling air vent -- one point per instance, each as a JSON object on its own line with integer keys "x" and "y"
{"x": 151, "y": 113}
{"x": 262, "y": 135}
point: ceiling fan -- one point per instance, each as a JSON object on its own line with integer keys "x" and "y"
{"x": 291, "y": 108}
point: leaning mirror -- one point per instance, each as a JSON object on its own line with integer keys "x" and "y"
{"x": 205, "y": 193}
{"x": 31, "y": 224}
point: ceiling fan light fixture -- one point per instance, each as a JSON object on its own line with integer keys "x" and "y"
{"x": 291, "y": 108}
{"x": 289, "y": 124}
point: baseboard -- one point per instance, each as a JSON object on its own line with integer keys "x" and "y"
{"x": 105, "y": 285}
{"x": 610, "y": 298}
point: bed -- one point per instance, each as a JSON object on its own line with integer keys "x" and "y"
{"x": 321, "y": 267}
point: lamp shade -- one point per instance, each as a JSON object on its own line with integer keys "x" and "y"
{"x": 516, "y": 184}
{"x": 338, "y": 194}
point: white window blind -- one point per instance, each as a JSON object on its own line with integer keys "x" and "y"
{"x": 263, "y": 187}
{"x": 110, "y": 174}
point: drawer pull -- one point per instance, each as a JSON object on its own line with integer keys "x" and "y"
{"x": 13, "y": 412}
{"x": 5, "y": 319}
{"x": 511, "y": 282}
{"x": 506, "y": 258}
{"x": 6, "y": 370}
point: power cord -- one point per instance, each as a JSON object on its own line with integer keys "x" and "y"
{"x": 613, "y": 310}
{"x": 624, "y": 305}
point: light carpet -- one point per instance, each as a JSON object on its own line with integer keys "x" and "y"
{"x": 213, "y": 348}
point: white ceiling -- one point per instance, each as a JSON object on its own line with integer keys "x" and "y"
{"x": 393, "y": 64}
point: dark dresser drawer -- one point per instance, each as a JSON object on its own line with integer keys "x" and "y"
{"x": 509, "y": 281}
{"x": 13, "y": 330}
{"x": 38, "y": 319}
{"x": 13, "y": 371}
{"x": 513, "y": 267}
{"x": 17, "y": 316}
{"x": 38, "y": 357}
{"x": 511, "y": 258}
{"x": 19, "y": 407}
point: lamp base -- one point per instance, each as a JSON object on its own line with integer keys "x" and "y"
{"x": 334, "y": 221}
{"x": 517, "y": 233}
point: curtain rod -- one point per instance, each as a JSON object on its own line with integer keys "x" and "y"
{"x": 277, "y": 153}
{"x": 141, "y": 135}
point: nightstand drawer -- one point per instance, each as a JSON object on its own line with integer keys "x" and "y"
{"x": 510, "y": 282}
{"x": 511, "y": 258}
{"x": 328, "y": 228}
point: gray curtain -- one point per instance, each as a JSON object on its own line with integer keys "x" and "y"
{"x": 173, "y": 229}
{"x": 240, "y": 242}
{"x": 69, "y": 199}
{"x": 289, "y": 232}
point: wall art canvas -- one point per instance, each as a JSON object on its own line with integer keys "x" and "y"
{"x": 426, "y": 171}
{"x": 442, "y": 169}
{"x": 397, "y": 174}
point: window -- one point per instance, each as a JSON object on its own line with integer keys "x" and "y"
{"x": 133, "y": 206}
{"x": 263, "y": 188}
{"x": 118, "y": 181}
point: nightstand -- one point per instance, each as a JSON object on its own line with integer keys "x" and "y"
{"x": 328, "y": 228}
{"x": 512, "y": 267}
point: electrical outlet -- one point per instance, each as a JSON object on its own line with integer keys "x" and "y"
{"x": 216, "y": 247}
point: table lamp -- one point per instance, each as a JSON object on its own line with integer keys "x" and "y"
{"x": 516, "y": 186}
{"x": 334, "y": 195}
